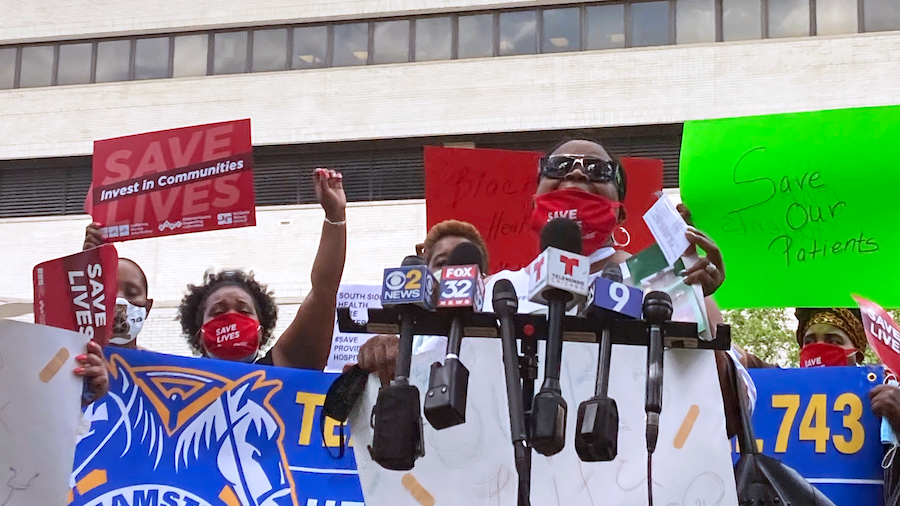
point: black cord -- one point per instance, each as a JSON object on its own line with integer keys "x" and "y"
{"x": 649, "y": 479}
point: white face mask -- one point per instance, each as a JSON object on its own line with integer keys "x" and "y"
{"x": 128, "y": 322}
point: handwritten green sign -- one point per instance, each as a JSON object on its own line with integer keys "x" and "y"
{"x": 804, "y": 206}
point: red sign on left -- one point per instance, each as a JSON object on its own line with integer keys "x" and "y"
{"x": 78, "y": 292}
{"x": 173, "y": 182}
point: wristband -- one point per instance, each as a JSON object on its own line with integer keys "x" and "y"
{"x": 336, "y": 223}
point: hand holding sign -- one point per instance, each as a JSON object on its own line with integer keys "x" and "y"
{"x": 92, "y": 367}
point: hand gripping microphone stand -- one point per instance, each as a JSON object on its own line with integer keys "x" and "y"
{"x": 506, "y": 304}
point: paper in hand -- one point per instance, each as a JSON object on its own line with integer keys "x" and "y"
{"x": 668, "y": 228}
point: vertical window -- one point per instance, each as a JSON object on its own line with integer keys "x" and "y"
{"x": 789, "y": 18}
{"x": 649, "y": 23}
{"x": 269, "y": 50}
{"x": 605, "y": 26}
{"x": 391, "y": 42}
{"x": 695, "y": 21}
{"x": 113, "y": 60}
{"x": 433, "y": 38}
{"x": 310, "y": 47}
{"x": 37, "y": 66}
{"x": 836, "y": 16}
{"x": 151, "y": 58}
{"x": 741, "y": 19}
{"x": 351, "y": 44}
{"x": 561, "y": 30}
{"x": 517, "y": 33}
{"x": 7, "y": 67}
{"x": 476, "y": 36}
{"x": 229, "y": 52}
{"x": 191, "y": 53}
{"x": 881, "y": 15}
{"x": 74, "y": 65}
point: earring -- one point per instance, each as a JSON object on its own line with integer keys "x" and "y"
{"x": 627, "y": 238}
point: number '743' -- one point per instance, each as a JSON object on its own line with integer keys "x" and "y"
{"x": 814, "y": 426}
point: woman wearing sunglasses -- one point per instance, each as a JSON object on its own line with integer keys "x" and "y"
{"x": 580, "y": 180}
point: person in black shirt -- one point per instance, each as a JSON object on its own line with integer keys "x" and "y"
{"x": 231, "y": 316}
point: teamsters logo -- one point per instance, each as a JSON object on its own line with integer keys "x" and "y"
{"x": 182, "y": 437}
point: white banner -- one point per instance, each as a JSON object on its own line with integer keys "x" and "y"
{"x": 472, "y": 464}
{"x": 40, "y": 409}
{"x": 345, "y": 346}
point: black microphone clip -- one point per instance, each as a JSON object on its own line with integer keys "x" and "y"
{"x": 445, "y": 401}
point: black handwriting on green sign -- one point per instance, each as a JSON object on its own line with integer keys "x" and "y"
{"x": 800, "y": 236}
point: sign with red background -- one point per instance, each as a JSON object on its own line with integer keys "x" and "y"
{"x": 881, "y": 331}
{"x": 78, "y": 292}
{"x": 173, "y": 182}
{"x": 493, "y": 190}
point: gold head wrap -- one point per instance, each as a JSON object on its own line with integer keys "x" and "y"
{"x": 838, "y": 317}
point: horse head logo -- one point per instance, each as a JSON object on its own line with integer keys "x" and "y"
{"x": 245, "y": 438}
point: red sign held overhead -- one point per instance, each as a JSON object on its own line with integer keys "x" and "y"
{"x": 173, "y": 182}
{"x": 493, "y": 190}
{"x": 78, "y": 292}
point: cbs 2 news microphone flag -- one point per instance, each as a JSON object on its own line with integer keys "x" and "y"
{"x": 177, "y": 431}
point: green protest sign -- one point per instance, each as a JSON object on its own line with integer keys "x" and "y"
{"x": 804, "y": 206}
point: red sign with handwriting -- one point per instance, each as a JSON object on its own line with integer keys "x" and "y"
{"x": 493, "y": 190}
{"x": 173, "y": 182}
{"x": 78, "y": 292}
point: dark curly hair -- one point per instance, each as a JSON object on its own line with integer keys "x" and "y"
{"x": 190, "y": 312}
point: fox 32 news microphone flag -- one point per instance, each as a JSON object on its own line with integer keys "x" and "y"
{"x": 173, "y": 182}
{"x": 78, "y": 292}
{"x": 202, "y": 432}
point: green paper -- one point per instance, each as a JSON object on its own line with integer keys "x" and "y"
{"x": 803, "y": 206}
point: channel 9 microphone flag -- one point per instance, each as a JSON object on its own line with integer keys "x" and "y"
{"x": 201, "y": 432}
{"x": 173, "y": 182}
{"x": 78, "y": 292}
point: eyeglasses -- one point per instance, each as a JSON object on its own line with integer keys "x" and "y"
{"x": 596, "y": 169}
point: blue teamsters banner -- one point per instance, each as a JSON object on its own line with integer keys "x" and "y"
{"x": 819, "y": 422}
{"x": 179, "y": 431}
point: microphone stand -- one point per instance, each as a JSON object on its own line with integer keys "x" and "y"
{"x": 528, "y": 371}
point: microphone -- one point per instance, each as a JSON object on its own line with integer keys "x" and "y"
{"x": 597, "y": 434}
{"x": 506, "y": 304}
{"x": 657, "y": 310}
{"x": 558, "y": 277}
{"x": 411, "y": 289}
{"x": 461, "y": 292}
{"x": 397, "y": 440}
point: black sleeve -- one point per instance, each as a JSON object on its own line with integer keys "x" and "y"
{"x": 265, "y": 359}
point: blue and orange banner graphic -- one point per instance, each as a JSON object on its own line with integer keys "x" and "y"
{"x": 177, "y": 431}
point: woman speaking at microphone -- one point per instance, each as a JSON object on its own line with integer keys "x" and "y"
{"x": 581, "y": 180}
{"x": 231, "y": 316}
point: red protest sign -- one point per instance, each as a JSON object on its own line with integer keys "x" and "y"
{"x": 78, "y": 292}
{"x": 173, "y": 182}
{"x": 493, "y": 190}
{"x": 881, "y": 331}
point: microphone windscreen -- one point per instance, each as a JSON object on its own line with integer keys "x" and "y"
{"x": 612, "y": 272}
{"x": 412, "y": 260}
{"x": 657, "y": 307}
{"x": 465, "y": 253}
{"x": 561, "y": 233}
{"x": 505, "y": 294}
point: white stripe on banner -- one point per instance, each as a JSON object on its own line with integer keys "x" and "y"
{"x": 843, "y": 481}
{"x": 322, "y": 471}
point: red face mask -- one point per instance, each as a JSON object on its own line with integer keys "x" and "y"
{"x": 231, "y": 336}
{"x": 825, "y": 355}
{"x": 595, "y": 214}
